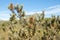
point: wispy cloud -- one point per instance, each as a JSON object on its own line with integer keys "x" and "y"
{"x": 4, "y": 15}
{"x": 53, "y": 9}
{"x": 31, "y": 13}
{"x": 49, "y": 10}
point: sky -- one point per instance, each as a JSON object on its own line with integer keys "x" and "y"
{"x": 30, "y": 6}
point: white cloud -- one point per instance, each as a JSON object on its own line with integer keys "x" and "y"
{"x": 32, "y": 12}
{"x": 53, "y": 9}
{"x": 50, "y": 10}
{"x": 4, "y": 15}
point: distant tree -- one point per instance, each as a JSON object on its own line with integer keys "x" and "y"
{"x": 11, "y": 7}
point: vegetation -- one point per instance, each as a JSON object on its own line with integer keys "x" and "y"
{"x": 29, "y": 28}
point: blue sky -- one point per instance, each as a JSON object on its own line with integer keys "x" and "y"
{"x": 31, "y": 6}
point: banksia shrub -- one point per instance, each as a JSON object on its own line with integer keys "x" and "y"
{"x": 11, "y": 6}
{"x": 31, "y": 20}
{"x": 23, "y": 14}
{"x": 20, "y": 11}
{"x": 30, "y": 27}
{"x": 16, "y": 7}
{"x": 13, "y": 17}
{"x": 19, "y": 8}
{"x": 3, "y": 29}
